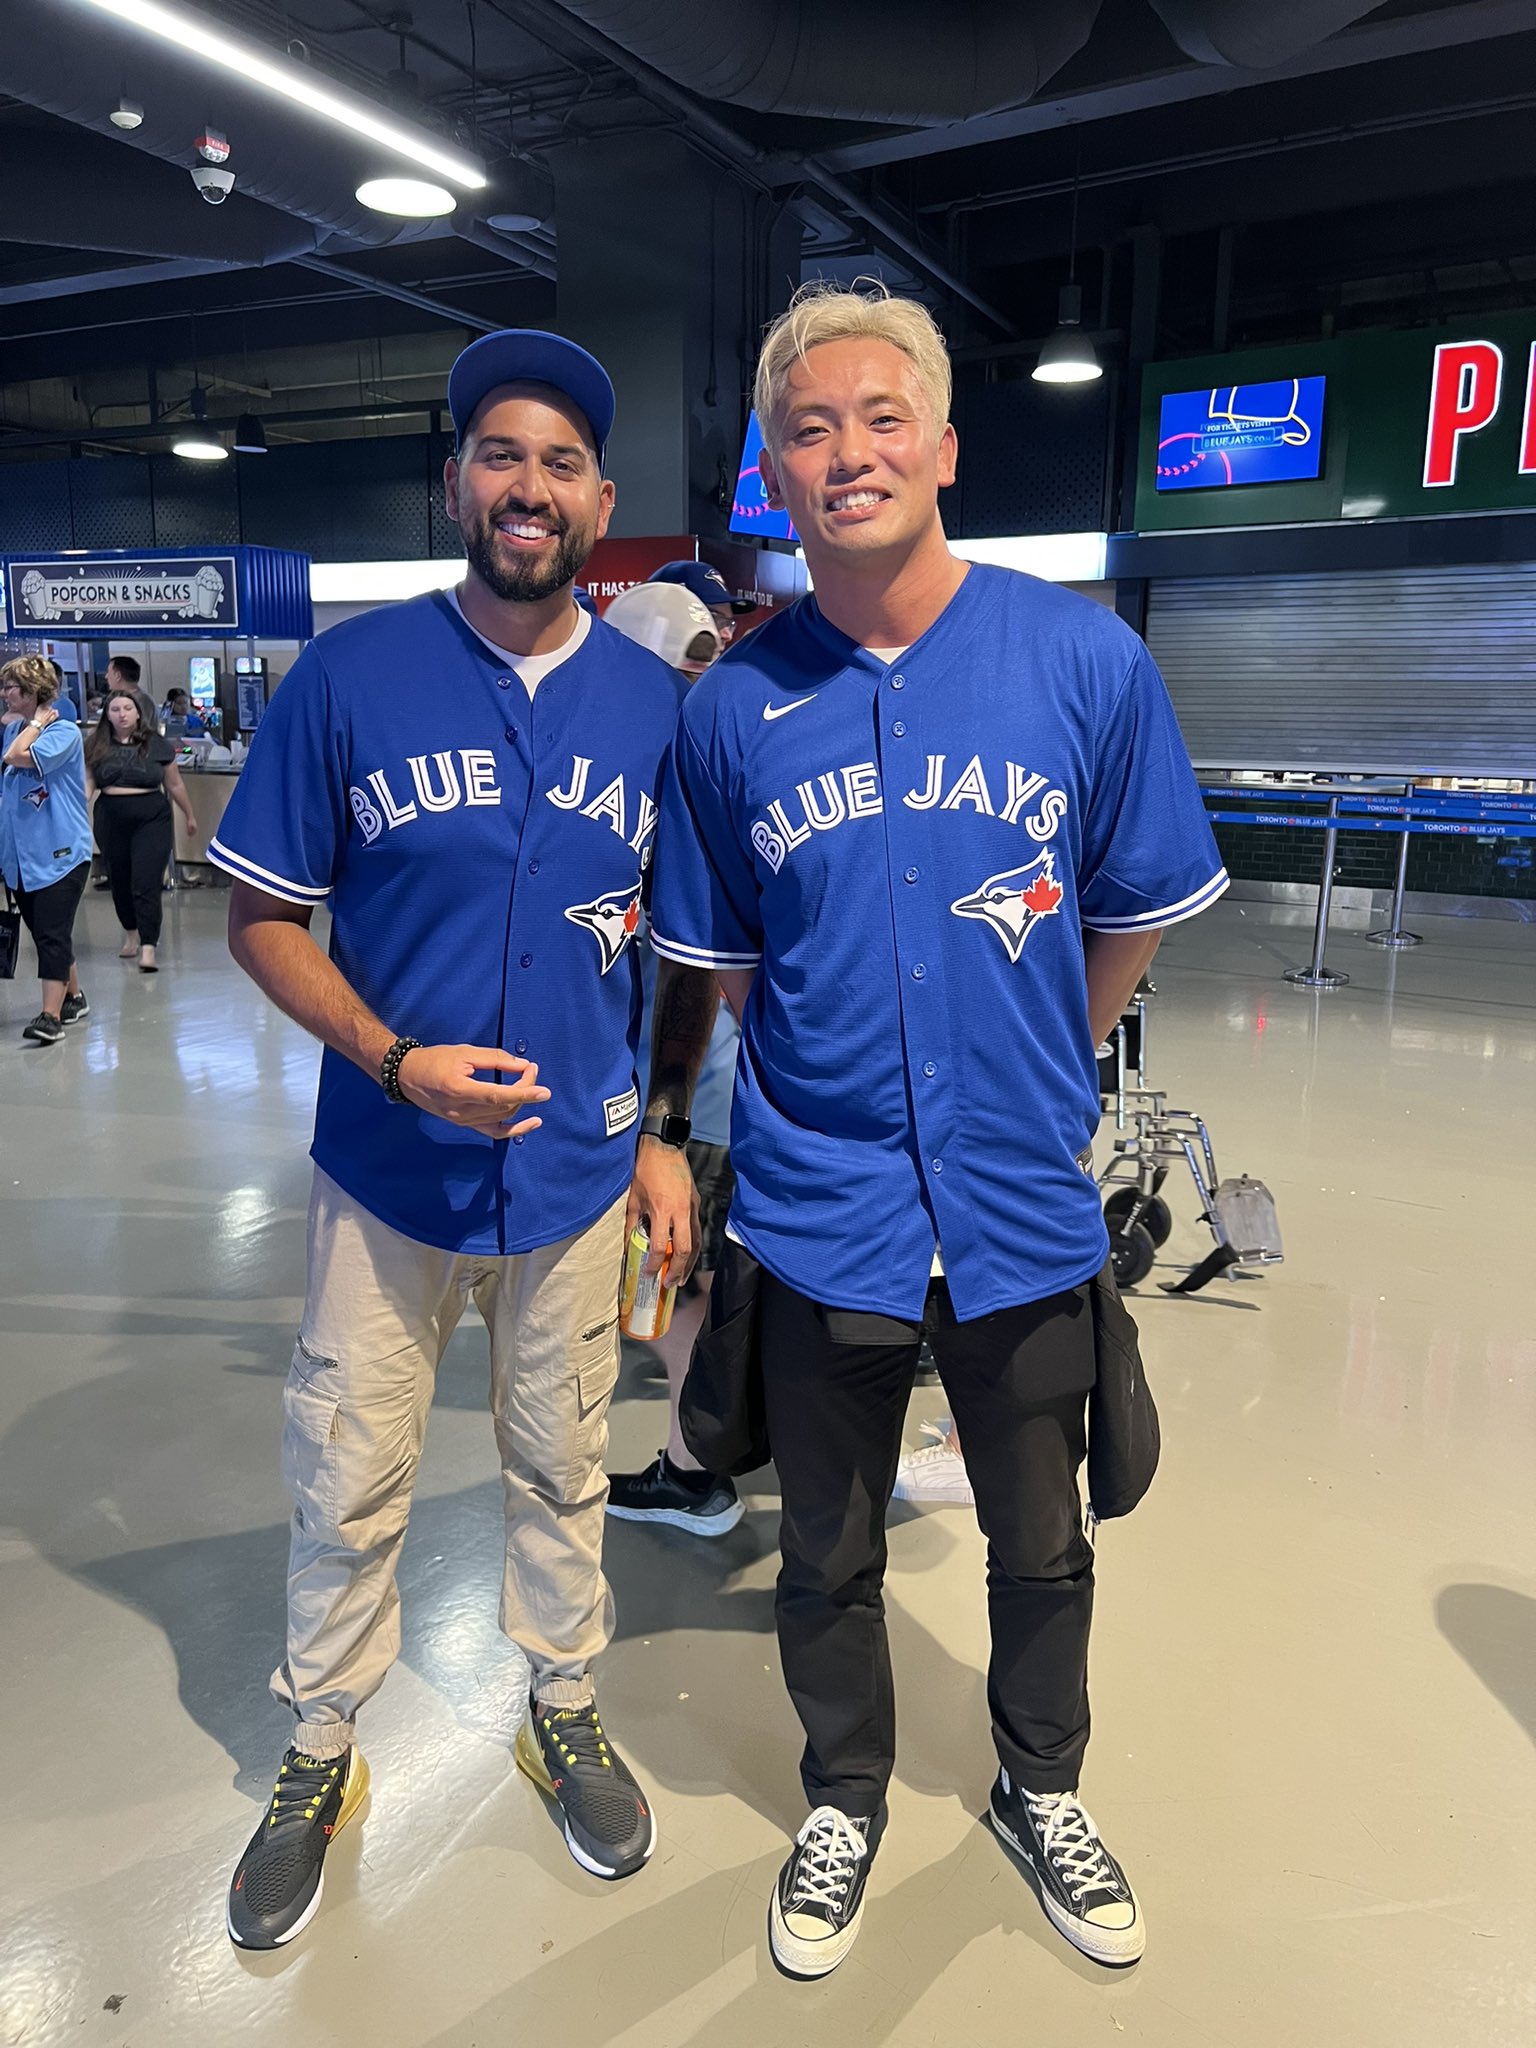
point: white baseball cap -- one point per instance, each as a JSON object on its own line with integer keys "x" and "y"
{"x": 666, "y": 618}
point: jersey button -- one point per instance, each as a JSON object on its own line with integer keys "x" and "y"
{"x": 938, "y": 1166}
{"x": 503, "y": 682}
{"x": 512, "y": 734}
{"x": 900, "y": 728}
{"x": 519, "y": 1138}
{"x": 533, "y": 867}
{"x": 527, "y": 960}
{"x": 911, "y": 874}
{"x": 928, "y": 1067}
{"x": 898, "y": 682}
{"x": 521, "y": 1046}
{"x": 919, "y": 971}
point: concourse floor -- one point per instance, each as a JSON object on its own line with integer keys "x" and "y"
{"x": 1314, "y": 1664}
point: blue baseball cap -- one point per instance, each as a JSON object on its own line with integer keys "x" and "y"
{"x": 707, "y": 584}
{"x": 528, "y": 355}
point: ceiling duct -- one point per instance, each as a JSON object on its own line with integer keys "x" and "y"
{"x": 1255, "y": 33}
{"x": 907, "y": 61}
{"x": 116, "y": 203}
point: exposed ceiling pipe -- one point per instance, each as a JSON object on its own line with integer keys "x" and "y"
{"x": 908, "y": 61}
{"x": 96, "y": 434}
{"x": 359, "y": 279}
{"x": 769, "y": 173}
{"x": 1255, "y": 33}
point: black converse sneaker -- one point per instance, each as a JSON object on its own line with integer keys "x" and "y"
{"x": 278, "y": 1881}
{"x": 45, "y": 1028}
{"x": 74, "y": 1008}
{"x": 1082, "y": 1888}
{"x": 609, "y": 1826}
{"x": 696, "y": 1501}
{"x": 813, "y": 1917}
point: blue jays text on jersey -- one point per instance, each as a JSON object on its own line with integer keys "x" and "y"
{"x": 482, "y": 856}
{"x": 912, "y": 854}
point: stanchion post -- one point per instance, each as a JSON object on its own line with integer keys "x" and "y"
{"x": 1394, "y": 936}
{"x": 1318, "y": 975}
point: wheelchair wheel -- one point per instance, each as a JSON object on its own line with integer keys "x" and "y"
{"x": 1132, "y": 1254}
{"x": 1156, "y": 1218}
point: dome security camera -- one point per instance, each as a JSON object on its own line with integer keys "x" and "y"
{"x": 213, "y": 182}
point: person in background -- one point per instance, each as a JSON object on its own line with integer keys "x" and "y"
{"x": 680, "y": 625}
{"x": 182, "y": 717}
{"x": 63, "y": 703}
{"x": 123, "y": 673}
{"x": 710, "y": 588}
{"x": 132, "y": 772}
{"x": 45, "y": 835}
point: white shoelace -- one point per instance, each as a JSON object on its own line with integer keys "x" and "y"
{"x": 1072, "y": 1843}
{"x": 835, "y": 1847}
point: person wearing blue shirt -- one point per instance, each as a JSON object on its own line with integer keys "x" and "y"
{"x": 927, "y": 825}
{"x": 468, "y": 779}
{"x": 45, "y": 835}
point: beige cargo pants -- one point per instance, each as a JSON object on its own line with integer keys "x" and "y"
{"x": 378, "y": 1314}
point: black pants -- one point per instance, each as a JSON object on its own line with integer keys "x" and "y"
{"x": 136, "y": 834}
{"x": 49, "y": 915}
{"x": 836, "y": 1386}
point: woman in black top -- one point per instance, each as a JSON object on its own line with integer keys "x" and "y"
{"x": 134, "y": 773}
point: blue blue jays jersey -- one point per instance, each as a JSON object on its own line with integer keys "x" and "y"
{"x": 482, "y": 857}
{"x": 908, "y": 855}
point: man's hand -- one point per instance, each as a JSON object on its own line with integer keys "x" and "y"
{"x": 441, "y": 1080}
{"x": 663, "y": 1193}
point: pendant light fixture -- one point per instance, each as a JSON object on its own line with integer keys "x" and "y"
{"x": 198, "y": 443}
{"x": 1068, "y": 356}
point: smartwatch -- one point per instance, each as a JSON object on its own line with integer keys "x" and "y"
{"x": 672, "y": 1130}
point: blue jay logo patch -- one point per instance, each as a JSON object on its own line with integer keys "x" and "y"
{"x": 612, "y": 920}
{"x": 1014, "y": 903}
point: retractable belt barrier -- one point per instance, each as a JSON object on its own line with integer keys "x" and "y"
{"x": 1435, "y": 813}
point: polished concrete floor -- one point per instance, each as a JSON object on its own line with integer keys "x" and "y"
{"x": 1314, "y": 1664}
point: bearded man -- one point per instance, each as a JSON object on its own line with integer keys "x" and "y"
{"x": 467, "y": 780}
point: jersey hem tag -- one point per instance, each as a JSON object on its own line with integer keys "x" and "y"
{"x": 620, "y": 1111}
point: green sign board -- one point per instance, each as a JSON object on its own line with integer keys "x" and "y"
{"x": 1402, "y": 426}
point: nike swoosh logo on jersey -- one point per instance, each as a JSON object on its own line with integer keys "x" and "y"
{"x": 782, "y": 710}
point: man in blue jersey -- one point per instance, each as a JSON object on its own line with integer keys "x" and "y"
{"x": 927, "y": 826}
{"x": 468, "y": 780}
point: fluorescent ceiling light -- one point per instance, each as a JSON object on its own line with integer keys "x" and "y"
{"x": 379, "y": 582}
{"x": 260, "y": 67}
{"x": 198, "y": 445}
{"x": 410, "y": 198}
{"x": 1055, "y": 557}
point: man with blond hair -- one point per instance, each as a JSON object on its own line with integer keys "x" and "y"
{"x": 927, "y": 826}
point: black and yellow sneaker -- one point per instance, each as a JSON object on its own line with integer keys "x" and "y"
{"x": 609, "y": 1826}
{"x": 278, "y": 1881}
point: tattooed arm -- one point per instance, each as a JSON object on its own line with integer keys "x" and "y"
{"x": 687, "y": 1000}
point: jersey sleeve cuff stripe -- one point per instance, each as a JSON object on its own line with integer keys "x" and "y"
{"x": 245, "y": 870}
{"x": 699, "y": 956}
{"x": 1175, "y": 913}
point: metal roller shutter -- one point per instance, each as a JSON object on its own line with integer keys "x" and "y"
{"x": 1403, "y": 671}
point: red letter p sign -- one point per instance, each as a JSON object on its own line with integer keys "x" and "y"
{"x": 1464, "y": 390}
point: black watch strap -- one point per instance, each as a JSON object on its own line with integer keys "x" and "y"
{"x": 389, "y": 1067}
{"x": 672, "y": 1130}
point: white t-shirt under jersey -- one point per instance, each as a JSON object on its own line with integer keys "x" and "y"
{"x": 531, "y": 669}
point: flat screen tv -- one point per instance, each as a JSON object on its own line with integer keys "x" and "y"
{"x": 751, "y": 513}
{"x": 1241, "y": 434}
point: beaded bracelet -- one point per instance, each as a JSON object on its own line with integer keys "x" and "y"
{"x": 389, "y": 1067}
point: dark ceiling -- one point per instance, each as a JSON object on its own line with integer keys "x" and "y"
{"x": 1305, "y": 167}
